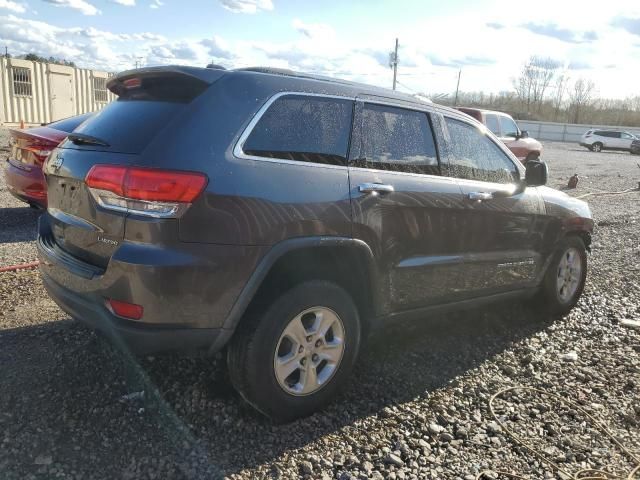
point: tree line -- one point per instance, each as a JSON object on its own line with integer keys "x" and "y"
{"x": 33, "y": 57}
{"x": 544, "y": 91}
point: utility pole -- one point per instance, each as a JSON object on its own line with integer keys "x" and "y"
{"x": 6, "y": 52}
{"x": 393, "y": 63}
{"x": 458, "y": 87}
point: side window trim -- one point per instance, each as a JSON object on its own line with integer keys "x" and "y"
{"x": 238, "y": 149}
{"x": 357, "y": 134}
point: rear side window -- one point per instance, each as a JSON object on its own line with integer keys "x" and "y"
{"x": 474, "y": 156}
{"x": 492, "y": 123}
{"x": 303, "y": 128}
{"x": 397, "y": 139}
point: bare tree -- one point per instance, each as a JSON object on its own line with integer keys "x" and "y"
{"x": 562, "y": 82}
{"x": 580, "y": 96}
{"x": 534, "y": 80}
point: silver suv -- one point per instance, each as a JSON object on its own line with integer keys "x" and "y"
{"x": 597, "y": 140}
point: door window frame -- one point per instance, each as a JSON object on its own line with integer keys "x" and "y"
{"x": 357, "y": 134}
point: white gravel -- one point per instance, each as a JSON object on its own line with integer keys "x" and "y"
{"x": 417, "y": 406}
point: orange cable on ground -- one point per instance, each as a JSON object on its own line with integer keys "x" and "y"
{"x": 20, "y": 266}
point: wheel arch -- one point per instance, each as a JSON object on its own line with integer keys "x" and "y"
{"x": 345, "y": 261}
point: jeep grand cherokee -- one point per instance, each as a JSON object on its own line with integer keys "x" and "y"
{"x": 283, "y": 216}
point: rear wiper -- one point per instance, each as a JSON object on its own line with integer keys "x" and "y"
{"x": 82, "y": 139}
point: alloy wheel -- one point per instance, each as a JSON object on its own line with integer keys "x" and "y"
{"x": 569, "y": 274}
{"x": 309, "y": 351}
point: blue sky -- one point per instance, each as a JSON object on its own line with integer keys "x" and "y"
{"x": 489, "y": 40}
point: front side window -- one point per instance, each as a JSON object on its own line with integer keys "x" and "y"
{"x": 627, "y": 136}
{"x": 509, "y": 127}
{"x": 22, "y": 81}
{"x": 474, "y": 156}
{"x": 492, "y": 123}
{"x": 303, "y": 128}
{"x": 397, "y": 139}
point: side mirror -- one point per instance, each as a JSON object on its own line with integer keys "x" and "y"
{"x": 524, "y": 134}
{"x": 536, "y": 173}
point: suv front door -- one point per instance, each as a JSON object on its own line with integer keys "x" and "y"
{"x": 403, "y": 207}
{"x": 501, "y": 232}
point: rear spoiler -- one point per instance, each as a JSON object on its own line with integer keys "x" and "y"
{"x": 202, "y": 76}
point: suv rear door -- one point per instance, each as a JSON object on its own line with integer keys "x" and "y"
{"x": 401, "y": 204}
{"x": 150, "y": 101}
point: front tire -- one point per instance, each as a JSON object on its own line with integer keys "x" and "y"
{"x": 596, "y": 147}
{"x": 565, "y": 278}
{"x": 292, "y": 359}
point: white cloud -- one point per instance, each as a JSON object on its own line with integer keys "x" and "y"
{"x": 81, "y": 5}
{"x": 247, "y": 6}
{"x": 126, "y": 3}
{"x": 156, "y": 4}
{"x": 12, "y": 6}
{"x": 501, "y": 44}
{"x": 313, "y": 30}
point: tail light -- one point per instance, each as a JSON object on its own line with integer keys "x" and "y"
{"x": 144, "y": 191}
{"x": 39, "y": 152}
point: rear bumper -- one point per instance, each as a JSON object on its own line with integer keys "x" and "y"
{"x": 583, "y": 144}
{"x": 140, "y": 339}
{"x": 26, "y": 184}
{"x": 186, "y": 290}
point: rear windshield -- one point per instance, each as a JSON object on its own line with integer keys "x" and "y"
{"x": 70, "y": 124}
{"x": 129, "y": 125}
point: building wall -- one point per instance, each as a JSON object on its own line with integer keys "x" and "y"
{"x": 565, "y": 132}
{"x": 47, "y": 102}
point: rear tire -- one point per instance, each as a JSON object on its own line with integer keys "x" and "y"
{"x": 596, "y": 147}
{"x": 292, "y": 359}
{"x": 565, "y": 278}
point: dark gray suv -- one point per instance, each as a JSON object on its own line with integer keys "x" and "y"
{"x": 283, "y": 216}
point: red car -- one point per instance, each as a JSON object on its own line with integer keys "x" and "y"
{"x": 505, "y": 128}
{"x": 29, "y": 149}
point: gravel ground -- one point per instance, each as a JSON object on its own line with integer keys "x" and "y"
{"x": 417, "y": 406}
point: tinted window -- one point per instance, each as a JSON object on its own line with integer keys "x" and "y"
{"x": 492, "y": 123}
{"x": 603, "y": 133}
{"x": 129, "y": 125}
{"x": 70, "y": 124}
{"x": 509, "y": 127}
{"x": 397, "y": 139}
{"x": 306, "y": 129}
{"x": 476, "y": 157}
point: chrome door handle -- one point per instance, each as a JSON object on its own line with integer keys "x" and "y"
{"x": 479, "y": 196}
{"x": 375, "y": 188}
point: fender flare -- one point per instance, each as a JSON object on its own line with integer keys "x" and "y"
{"x": 287, "y": 246}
